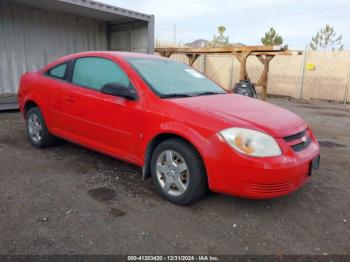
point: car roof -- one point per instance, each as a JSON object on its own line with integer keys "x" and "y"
{"x": 116, "y": 54}
{"x": 133, "y": 54}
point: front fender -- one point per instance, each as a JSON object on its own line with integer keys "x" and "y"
{"x": 200, "y": 140}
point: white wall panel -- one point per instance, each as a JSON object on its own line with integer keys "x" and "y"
{"x": 120, "y": 39}
{"x": 139, "y": 39}
{"x": 31, "y": 38}
{"x": 132, "y": 37}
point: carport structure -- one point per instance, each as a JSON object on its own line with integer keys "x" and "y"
{"x": 36, "y": 32}
{"x": 264, "y": 53}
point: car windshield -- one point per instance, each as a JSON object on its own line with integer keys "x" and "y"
{"x": 169, "y": 78}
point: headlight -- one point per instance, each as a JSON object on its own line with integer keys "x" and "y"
{"x": 251, "y": 142}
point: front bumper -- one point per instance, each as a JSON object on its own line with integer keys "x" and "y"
{"x": 236, "y": 174}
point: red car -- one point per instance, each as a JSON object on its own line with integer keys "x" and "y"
{"x": 183, "y": 129}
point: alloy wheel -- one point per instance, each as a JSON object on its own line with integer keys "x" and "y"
{"x": 172, "y": 173}
{"x": 35, "y": 128}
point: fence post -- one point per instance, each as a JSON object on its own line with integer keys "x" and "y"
{"x": 347, "y": 88}
{"x": 204, "y": 64}
{"x": 231, "y": 75}
{"x": 301, "y": 87}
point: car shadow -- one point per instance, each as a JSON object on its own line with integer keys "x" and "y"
{"x": 104, "y": 168}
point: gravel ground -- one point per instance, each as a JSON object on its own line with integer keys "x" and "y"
{"x": 69, "y": 200}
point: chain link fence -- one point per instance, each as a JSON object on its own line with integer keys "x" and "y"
{"x": 314, "y": 74}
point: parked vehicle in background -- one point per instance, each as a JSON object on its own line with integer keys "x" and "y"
{"x": 183, "y": 129}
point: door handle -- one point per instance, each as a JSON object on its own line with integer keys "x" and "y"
{"x": 70, "y": 98}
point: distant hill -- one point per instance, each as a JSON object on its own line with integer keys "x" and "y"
{"x": 198, "y": 43}
{"x": 205, "y": 43}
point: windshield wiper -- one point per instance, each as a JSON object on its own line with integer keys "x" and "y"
{"x": 208, "y": 93}
{"x": 175, "y": 95}
{"x": 191, "y": 95}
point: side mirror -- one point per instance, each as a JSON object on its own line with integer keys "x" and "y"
{"x": 118, "y": 89}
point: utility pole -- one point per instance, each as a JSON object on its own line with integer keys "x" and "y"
{"x": 347, "y": 88}
{"x": 301, "y": 86}
{"x": 174, "y": 33}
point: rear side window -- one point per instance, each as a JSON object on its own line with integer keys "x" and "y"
{"x": 58, "y": 71}
{"x": 95, "y": 72}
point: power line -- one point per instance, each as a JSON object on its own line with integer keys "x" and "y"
{"x": 235, "y": 11}
{"x": 259, "y": 20}
{"x": 231, "y": 11}
{"x": 270, "y": 19}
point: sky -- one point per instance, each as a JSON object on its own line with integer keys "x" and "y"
{"x": 246, "y": 21}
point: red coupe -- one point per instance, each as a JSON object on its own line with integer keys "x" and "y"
{"x": 183, "y": 129}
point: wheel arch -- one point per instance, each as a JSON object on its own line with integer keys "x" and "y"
{"x": 155, "y": 141}
{"x": 29, "y": 104}
{"x": 36, "y": 101}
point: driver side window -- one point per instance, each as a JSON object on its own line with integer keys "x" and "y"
{"x": 95, "y": 72}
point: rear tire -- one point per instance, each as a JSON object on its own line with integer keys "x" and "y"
{"x": 178, "y": 172}
{"x": 37, "y": 131}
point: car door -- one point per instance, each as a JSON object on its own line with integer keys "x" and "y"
{"x": 103, "y": 122}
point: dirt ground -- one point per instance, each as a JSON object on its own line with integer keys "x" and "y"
{"x": 69, "y": 200}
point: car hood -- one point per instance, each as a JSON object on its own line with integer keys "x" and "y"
{"x": 230, "y": 110}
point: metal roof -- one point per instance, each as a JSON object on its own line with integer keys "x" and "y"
{"x": 88, "y": 8}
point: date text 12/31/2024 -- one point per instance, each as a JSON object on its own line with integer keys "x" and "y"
{"x": 173, "y": 258}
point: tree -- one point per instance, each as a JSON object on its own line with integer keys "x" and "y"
{"x": 220, "y": 40}
{"x": 272, "y": 38}
{"x": 326, "y": 39}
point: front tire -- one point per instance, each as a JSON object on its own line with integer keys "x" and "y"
{"x": 37, "y": 130}
{"x": 178, "y": 172}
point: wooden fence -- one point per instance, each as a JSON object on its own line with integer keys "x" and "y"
{"x": 314, "y": 74}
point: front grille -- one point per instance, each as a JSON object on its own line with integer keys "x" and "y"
{"x": 270, "y": 188}
{"x": 294, "y": 141}
{"x": 300, "y": 146}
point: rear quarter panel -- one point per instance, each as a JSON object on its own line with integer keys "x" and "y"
{"x": 33, "y": 88}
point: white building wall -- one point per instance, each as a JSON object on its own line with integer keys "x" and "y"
{"x": 132, "y": 37}
{"x": 31, "y": 38}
